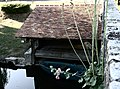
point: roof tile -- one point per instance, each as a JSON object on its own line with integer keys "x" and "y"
{"x": 47, "y": 22}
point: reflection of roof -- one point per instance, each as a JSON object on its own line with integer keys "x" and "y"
{"x": 46, "y": 22}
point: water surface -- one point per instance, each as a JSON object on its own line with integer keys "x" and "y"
{"x": 17, "y": 80}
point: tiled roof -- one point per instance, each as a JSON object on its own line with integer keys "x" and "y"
{"x": 46, "y": 21}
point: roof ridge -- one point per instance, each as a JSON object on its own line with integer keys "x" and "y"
{"x": 66, "y": 5}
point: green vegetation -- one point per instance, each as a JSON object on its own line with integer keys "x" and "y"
{"x": 96, "y": 81}
{"x": 9, "y": 44}
{"x": 15, "y": 8}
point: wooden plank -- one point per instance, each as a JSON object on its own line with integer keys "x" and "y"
{"x": 59, "y": 53}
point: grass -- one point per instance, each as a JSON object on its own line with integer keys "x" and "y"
{"x": 9, "y": 44}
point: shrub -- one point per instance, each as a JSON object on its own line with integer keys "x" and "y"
{"x": 16, "y": 8}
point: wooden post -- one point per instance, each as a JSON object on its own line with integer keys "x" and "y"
{"x": 112, "y": 69}
{"x": 33, "y": 51}
{"x": 118, "y": 2}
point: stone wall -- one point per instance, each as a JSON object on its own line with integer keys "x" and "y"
{"x": 113, "y": 47}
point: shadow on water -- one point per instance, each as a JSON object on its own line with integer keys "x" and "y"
{"x": 44, "y": 79}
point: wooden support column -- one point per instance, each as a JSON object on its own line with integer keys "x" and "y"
{"x": 33, "y": 51}
{"x": 118, "y": 2}
{"x": 112, "y": 69}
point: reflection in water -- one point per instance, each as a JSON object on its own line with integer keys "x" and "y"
{"x": 3, "y": 78}
{"x": 18, "y": 80}
{"x": 43, "y": 78}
